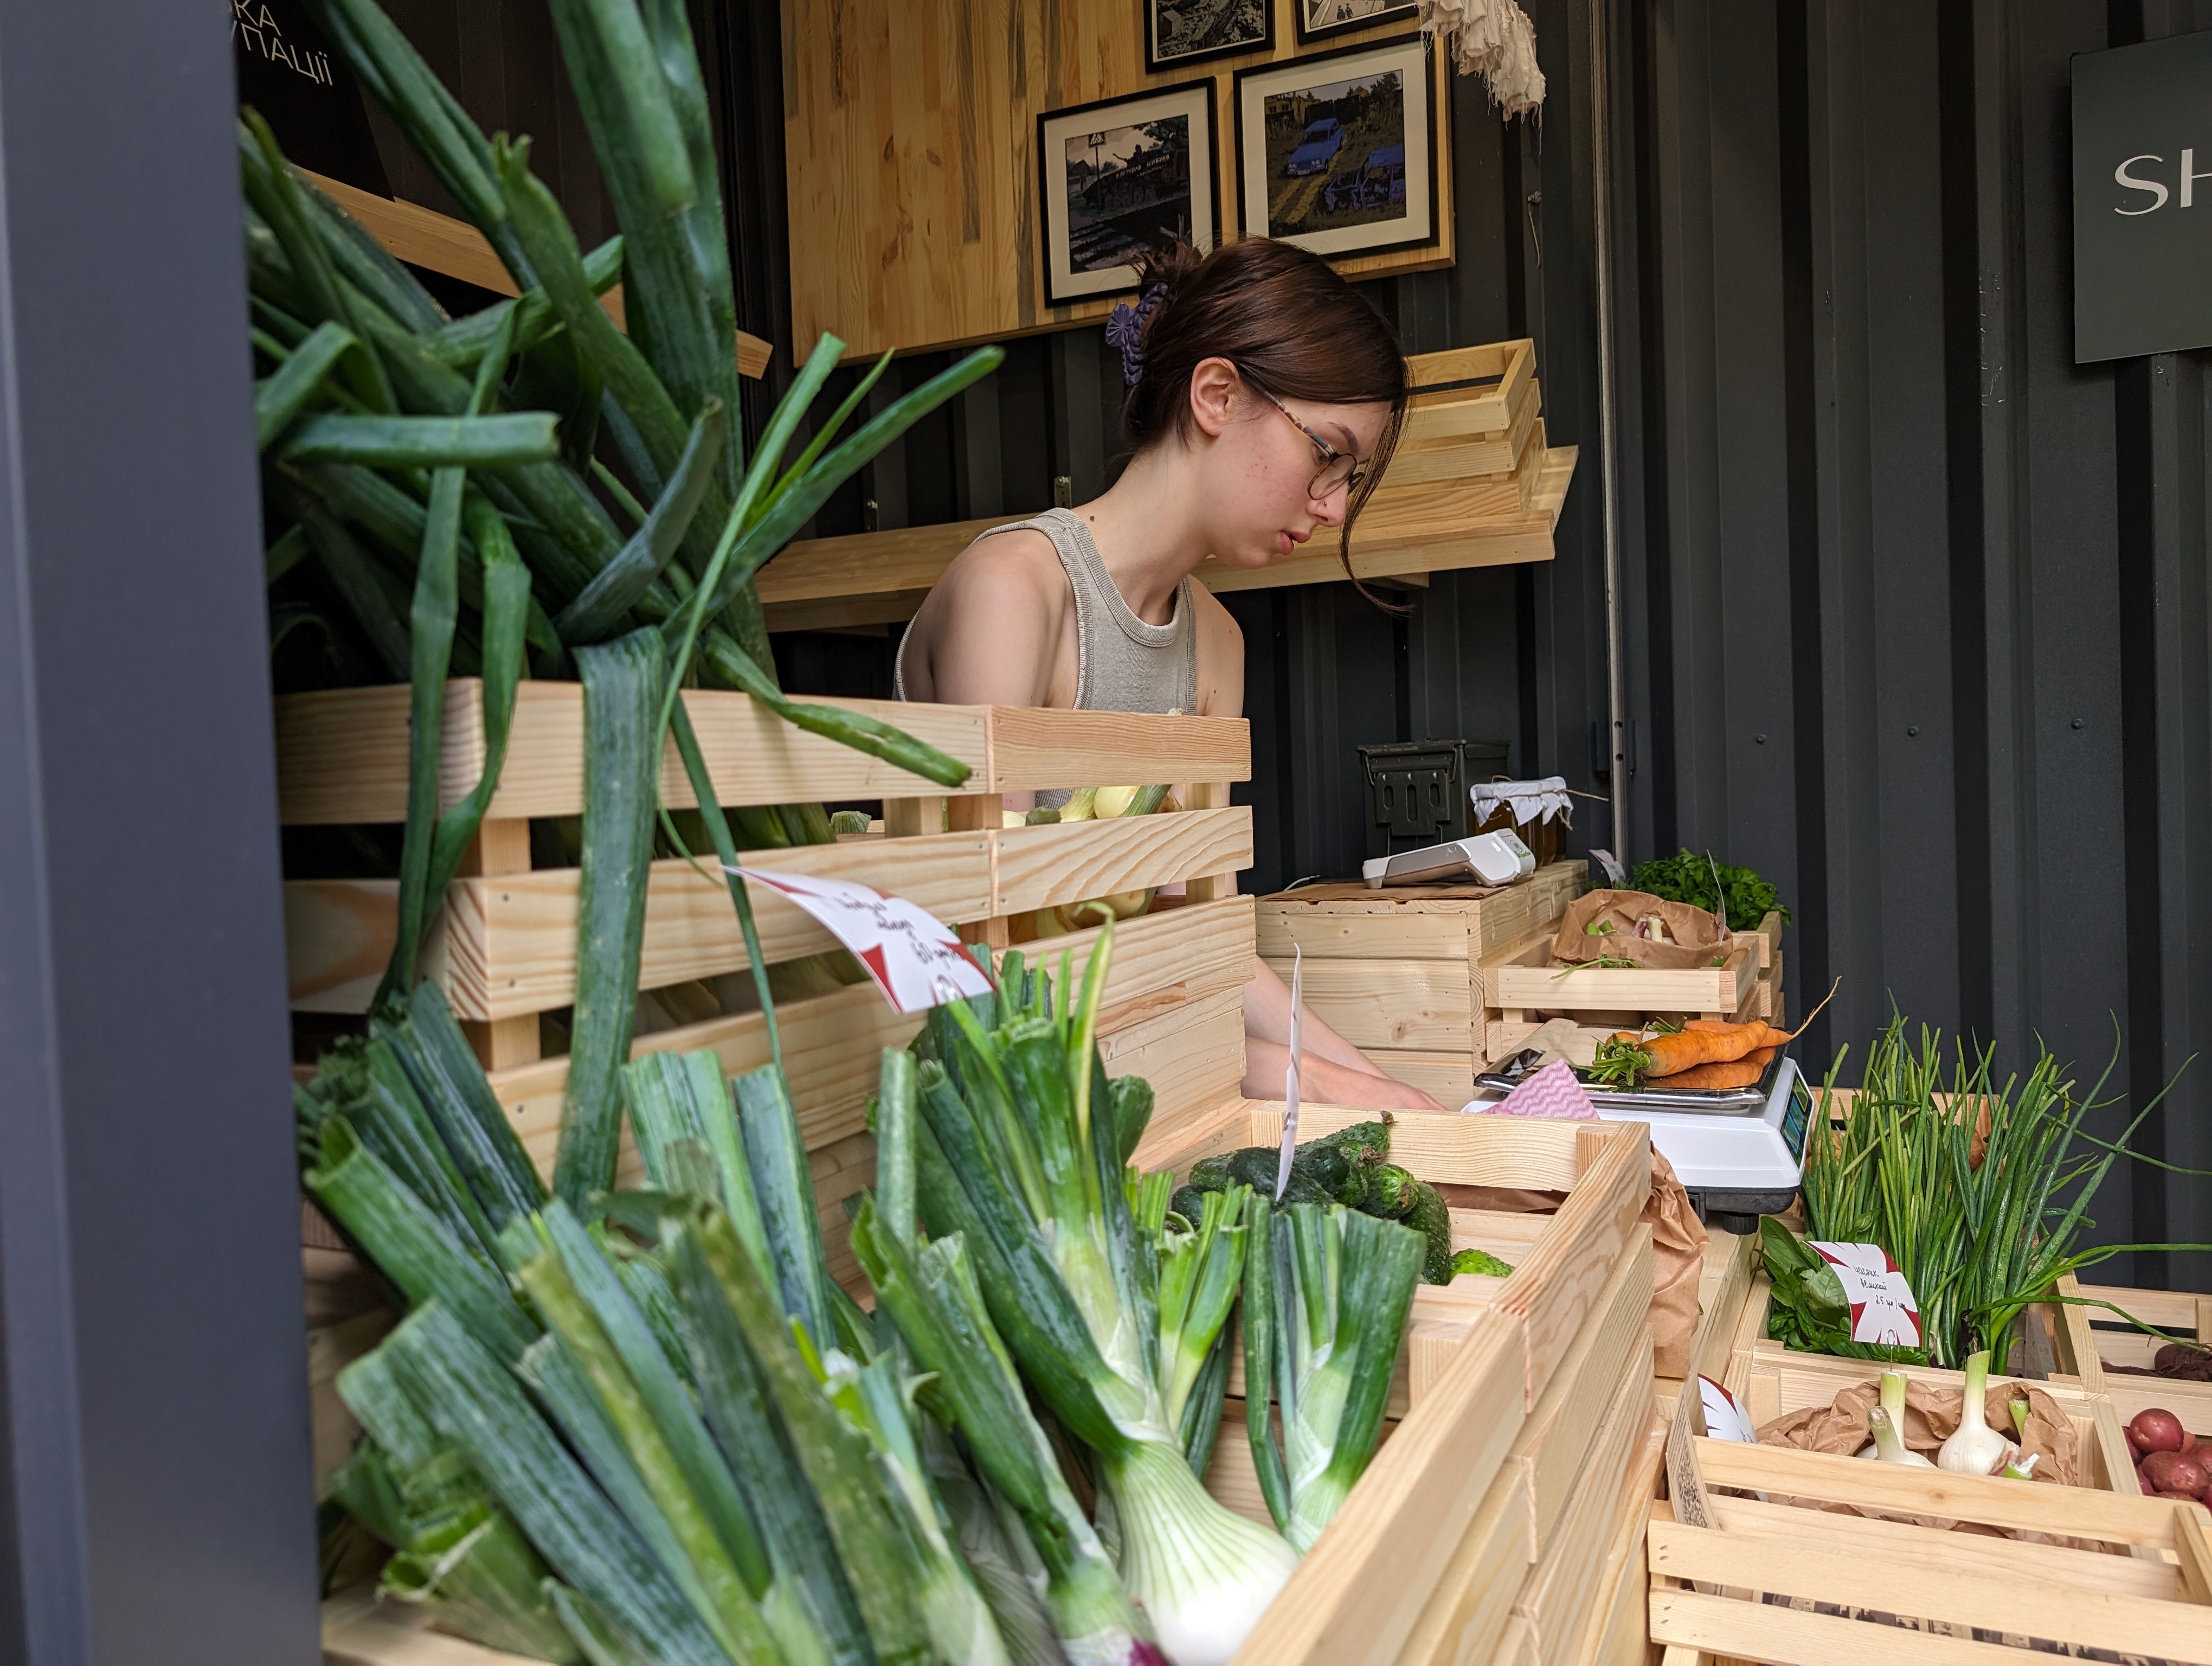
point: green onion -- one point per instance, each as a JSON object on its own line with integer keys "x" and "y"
{"x": 478, "y": 1578}
{"x": 622, "y": 773}
{"x": 474, "y": 1402}
{"x": 1343, "y": 1285}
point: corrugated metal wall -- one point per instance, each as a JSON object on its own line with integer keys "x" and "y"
{"x": 1917, "y": 611}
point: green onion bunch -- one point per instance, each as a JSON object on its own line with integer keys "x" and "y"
{"x": 1979, "y": 1189}
{"x": 1327, "y": 1293}
{"x": 527, "y": 490}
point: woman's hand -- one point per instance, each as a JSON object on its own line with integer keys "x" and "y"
{"x": 1324, "y": 1081}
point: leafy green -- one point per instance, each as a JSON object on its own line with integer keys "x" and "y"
{"x": 1687, "y": 877}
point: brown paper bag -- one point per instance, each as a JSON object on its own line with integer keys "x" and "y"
{"x": 1677, "y": 1252}
{"x": 1606, "y": 922}
{"x": 1931, "y": 1413}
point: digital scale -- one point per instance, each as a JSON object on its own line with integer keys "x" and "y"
{"x": 1738, "y": 1154}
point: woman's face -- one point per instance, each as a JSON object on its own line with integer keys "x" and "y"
{"x": 1262, "y": 464}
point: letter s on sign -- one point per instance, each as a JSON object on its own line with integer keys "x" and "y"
{"x": 2123, "y": 177}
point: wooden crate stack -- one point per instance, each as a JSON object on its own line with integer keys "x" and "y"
{"x": 1473, "y": 446}
{"x": 505, "y": 952}
{"x": 1398, "y": 973}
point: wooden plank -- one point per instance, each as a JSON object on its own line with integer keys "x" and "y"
{"x": 1398, "y": 1531}
{"x": 1720, "y": 1626}
{"x": 1040, "y": 866}
{"x": 1447, "y": 1077}
{"x": 1622, "y": 1467}
{"x": 1437, "y": 407}
{"x": 342, "y": 754}
{"x": 511, "y": 938}
{"x": 1466, "y": 1612}
{"x": 1455, "y": 456}
{"x": 1626, "y": 990}
{"x": 1416, "y": 922}
{"x": 2077, "y": 1511}
{"x": 1555, "y": 1285}
{"x": 1420, "y": 1005}
{"x": 439, "y": 243}
{"x": 1031, "y": 747}
{"x": 1163, "y": 964}
{"x": 1616, "y": 1635}
{"x": 914, "y": 131}
{"x": 1925, "y": 1588}
{"x": 1562, "y": 1428}
{"x": 1193, "y": 1056}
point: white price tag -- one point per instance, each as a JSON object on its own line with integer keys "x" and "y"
{"x": 1725, "y": 1419}
{"x": 1883, "y": 1310}
{"x": 916, "y": 959}
{"x": 1291, "y": 1078}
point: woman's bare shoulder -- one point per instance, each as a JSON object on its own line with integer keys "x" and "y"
{"x": 1021, "y": 561}
{"x": 989, "y": 630}
{"x": 1220, "y": 655}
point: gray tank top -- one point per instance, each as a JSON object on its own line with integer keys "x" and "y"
{"x": 1121, "y": 664}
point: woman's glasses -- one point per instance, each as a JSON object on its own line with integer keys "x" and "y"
{"x": 1336, "y": 469}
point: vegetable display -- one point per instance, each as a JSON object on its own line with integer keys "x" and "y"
{"x": 653, "y": 1428}
{"x": 2169, "y": 1459}
{"x": 1978, "y": 1191}
{"x": 1687, "y": 877}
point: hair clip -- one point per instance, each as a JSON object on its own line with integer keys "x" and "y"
{"x": 1124, "y": 329}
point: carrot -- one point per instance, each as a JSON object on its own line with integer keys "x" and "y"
{"x": 1703, "y": 1041}
{"x": 1738, "y": 1073}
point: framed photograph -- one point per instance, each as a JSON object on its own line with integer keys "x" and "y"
{"x": 1120, "y": 177}
{"x": 1183, "y": 31}
{"x": 1318, "y": 20}
{"x": 1337, "y": 152}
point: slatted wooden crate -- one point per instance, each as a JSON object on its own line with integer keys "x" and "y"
{"x": 1519, "y": 982}
{"x": 1397, "y": 972}
{"x": 1765, "y": 1580}
{"x": 2180, "y": 1313}
{"x": 505, "y": 952}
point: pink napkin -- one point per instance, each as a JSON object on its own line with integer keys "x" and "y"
{"x": 1551, "y": 1091}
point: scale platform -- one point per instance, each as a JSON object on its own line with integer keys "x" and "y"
{"x": 1738, "y": 1160}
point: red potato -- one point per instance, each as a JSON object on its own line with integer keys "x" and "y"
{"x": 2134, "y": 1452}
{"x": 2176, "y": 1472}
{"x": 2183, "y": 1498}
{"x": 2155, "y": 1429}
{"x": 2188, "y": 1441}
{"x": 2148, "y": 1490}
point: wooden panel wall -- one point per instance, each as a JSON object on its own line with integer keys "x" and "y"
{"x": 909, "y": 142}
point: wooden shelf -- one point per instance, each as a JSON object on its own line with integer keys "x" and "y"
{"x": 877, "y": 578}
{"x": 439, "y": 243}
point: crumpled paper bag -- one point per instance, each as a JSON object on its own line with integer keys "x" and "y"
{"x": 1695, "y": 935}
{"x": 1931, "y": 1414}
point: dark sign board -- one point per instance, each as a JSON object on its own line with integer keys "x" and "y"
{"x": 305, "y": 91}
{"x": 2142, "y": 198}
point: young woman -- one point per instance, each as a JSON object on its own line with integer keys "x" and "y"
{"x": 1264, "y": 398}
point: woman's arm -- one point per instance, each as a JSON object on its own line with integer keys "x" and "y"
{"x": 990, "y": 632}
{"x": 1331, "y": 1065}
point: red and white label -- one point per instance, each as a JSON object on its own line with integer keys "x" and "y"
{"x": 1883, "y": 1310}
{"x": 916, "y": 959}
{"x": 1725, "y": 1419}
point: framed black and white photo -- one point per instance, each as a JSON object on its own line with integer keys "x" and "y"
{"x": 1337, "y": 152}
{"x": 1183, "y": 31}
{"x": 1120, "y": 177}
{"x": 1320, "y": 20}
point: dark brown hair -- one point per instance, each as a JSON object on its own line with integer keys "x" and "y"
{"x": 1287, "y": 322}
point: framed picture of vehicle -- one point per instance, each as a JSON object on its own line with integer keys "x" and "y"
{"x": 1182, "y": 32}
{"x": 1338, "y": 152}
{"x": 1122, "y": 176}
{"x": 1320, "y": 20}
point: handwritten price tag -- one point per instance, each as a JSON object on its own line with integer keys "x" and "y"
{"x": 1883, "y": 1310}
{"x": 916, "y": 959}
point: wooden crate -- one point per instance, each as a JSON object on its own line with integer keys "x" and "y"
{"x": 2178, "y": 1313}
{"x": 1562, "y": 1262}
{"x": 1572, "y": 1579}
{"x": 505, "y": 951}
{"x": 1775, "y": 1582}
{"x": 1397, "y": 972}
{"x": 1519, "y": 981}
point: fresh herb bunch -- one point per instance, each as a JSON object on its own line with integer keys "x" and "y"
{"x": 1687, "y": 877}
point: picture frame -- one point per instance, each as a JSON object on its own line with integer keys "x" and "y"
{"x": 1324, "y": 19}
{"x": 1180, "y": 33}
{"x": 1337, "y": 151}
{"x": 1120, "y": 174}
